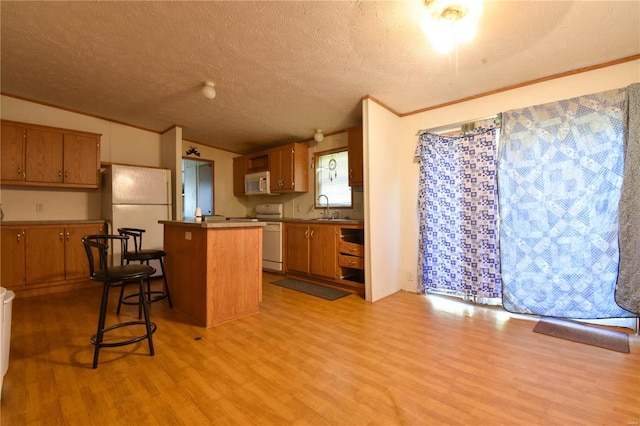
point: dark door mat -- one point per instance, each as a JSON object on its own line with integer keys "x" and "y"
{"x": 582, "y": 333}
{"x": 327, "y": 293}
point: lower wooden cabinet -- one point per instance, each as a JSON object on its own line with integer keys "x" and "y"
{"x": 296, "y": 246}
{"x": 12, "y": 256}
{"x": 44, "y": 255}
{"x": 41, "y": 259}
{"x": 322, "y": 251}
{"x": 325, "y": 253}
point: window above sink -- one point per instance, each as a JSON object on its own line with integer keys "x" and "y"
{"x": 332, "y": 179}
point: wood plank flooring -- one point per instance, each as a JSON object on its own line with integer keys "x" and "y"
{"x": 405, "y": 360}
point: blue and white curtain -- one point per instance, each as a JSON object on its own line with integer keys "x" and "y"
{"x": 458, "y": 213}
{"x": 560, "y": 176}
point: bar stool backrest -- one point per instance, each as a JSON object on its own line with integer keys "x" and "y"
{"x": 136, "y": 235}
{"x": 99, "y": 244}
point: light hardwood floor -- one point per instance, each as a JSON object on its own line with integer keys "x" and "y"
{"x": 406, "y": 359}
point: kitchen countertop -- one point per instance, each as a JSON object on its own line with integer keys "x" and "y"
{"x": 50, "y": 222}
{"x": 317, "y": 220}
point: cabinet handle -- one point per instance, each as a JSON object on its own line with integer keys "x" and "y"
{"x": 351, "y": 263}
{"x": 59, "y": 173}
{"x": 61, "y": 237}
{"x": 350, "y": 173}
{"x": 351, "y": 250}
{"x": 68, "y": 236}
{"x": 66, "y": 174}
{"x": 306, "y": 234}
{"x": 19, "y": 171}
{"x": 18, "y": 237}
{"x": 312, "y": 234}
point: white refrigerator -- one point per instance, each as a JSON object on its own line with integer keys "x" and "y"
{"x": 137, "y": 197}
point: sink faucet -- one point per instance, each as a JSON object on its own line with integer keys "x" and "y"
{"x": 326, "y": 209}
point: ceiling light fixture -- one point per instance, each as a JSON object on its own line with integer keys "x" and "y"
{"x": 318, "y": 136}
{"x": 450, "y": 22}
{"x": 208, "y": 91}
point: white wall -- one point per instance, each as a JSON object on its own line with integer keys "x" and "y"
{"x": 392, "y": 203}
{"x": 383, "y": 200}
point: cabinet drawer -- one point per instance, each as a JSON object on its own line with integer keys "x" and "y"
{"x": 351, "y": 262}
{"x": 351, "y": 248}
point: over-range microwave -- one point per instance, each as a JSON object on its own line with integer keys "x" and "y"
{"x": 256, "y": 183}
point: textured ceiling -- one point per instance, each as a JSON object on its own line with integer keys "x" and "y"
{"x": 283, "y": 69}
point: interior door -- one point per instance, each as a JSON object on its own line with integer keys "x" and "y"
{"x": 197, "y": 188}
{"x": 205, "y": 188}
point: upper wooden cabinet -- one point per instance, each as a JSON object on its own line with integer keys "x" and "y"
{"x": 354, "y": 145}
{"x": 289, "y": 167}
{"x": 47, "y": 156}
{"x": 12, "y": 150}
{"x": 239, "y": 170}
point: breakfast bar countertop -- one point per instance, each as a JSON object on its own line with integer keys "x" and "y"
{"x": 215, "y": 224}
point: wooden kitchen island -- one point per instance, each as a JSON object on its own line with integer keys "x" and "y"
{"x": 214, "y": 269}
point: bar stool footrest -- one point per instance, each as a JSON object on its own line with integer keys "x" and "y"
{"x": 161, "y": 296}
{"x": 124, "y": 342}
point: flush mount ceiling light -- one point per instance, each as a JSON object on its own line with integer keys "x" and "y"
{"x": 450, "y": 22}
{"x": 318, "y": 136}
{"x": 208, "y": 91}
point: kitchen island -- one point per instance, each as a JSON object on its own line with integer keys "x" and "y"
{"x": 214, "y": 269}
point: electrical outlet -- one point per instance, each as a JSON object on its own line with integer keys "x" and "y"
{"x": 39, "y": 207}
{"x": 187, "y": 235}
{"x": 298, "y": 208}
{"x": 410, "y": 276}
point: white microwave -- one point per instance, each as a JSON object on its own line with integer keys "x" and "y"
{"x": 256, "y": 183}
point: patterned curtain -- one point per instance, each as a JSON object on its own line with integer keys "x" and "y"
{"x": 560, "y": 176}
{"x": 457, "y": 202}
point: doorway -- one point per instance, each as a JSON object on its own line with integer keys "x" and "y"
{"x": 197, "y": 188}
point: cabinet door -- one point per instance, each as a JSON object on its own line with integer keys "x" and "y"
{"x": 44, "y": 255}
{"x": 297, "y": 248}
{"x": 12, "y": 257}
{"x": 275, "y": 165}
{"x": 43, "y": 158}
{"x": 281, "y": 167}
{"x": 12, "y": 153}
{"x": 286, "y": 168}
{"x": 323, "y": 250}
{"x": 81, "y": 160}
{"x": 239, "y": 170}
{"x": 354, "y": 145}
{"x": 75, "y": 257}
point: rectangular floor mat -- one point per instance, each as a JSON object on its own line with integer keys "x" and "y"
{"x": 312, "y": 289}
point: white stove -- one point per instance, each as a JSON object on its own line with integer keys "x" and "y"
{"x": 271, "y": 236}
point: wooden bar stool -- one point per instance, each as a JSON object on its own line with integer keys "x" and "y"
{"x": 111, "y": 276}
{"x": 141, "y": 255}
